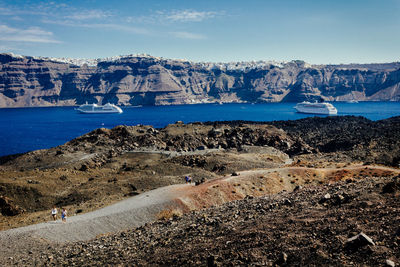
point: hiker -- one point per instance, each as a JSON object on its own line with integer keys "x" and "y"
{"x": 54, "y": 213}
{"x": 188, "y": 179}
{"x": 64, "y": 215}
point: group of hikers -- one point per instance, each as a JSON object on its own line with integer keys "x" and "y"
{"x": 54, "y": 212}
{"x": 188, "y": 179}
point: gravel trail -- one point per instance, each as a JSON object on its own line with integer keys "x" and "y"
{"x": 125, "y": 214}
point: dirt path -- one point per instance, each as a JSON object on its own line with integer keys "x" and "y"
{"x": 282, "y": 169}
{"x": 141, "y": 209}
{"x": 125, "y": 214}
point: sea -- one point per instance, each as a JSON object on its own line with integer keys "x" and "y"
{"x": 27, "y": 129}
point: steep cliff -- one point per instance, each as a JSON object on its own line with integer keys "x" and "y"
{"x": 146, "y": 80}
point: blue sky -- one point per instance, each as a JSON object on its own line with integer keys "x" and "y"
{"x": 315, "y": 31}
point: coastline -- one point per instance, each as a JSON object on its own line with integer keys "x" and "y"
{"x": 27, "y": 129}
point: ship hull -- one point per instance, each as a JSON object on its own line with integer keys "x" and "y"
{"x": 96, "y": 109}
{"x": 316, "y": 108}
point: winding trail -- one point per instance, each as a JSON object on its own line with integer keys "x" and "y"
{"x": 128, "y": 213}
{"x": 141, "y": 209}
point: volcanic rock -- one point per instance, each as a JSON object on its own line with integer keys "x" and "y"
{"x": 7, "y": 208}
{"x": 390, "y": 263}
{"x": 358, "y": 241}
{"x": 391, "y": 187}
{"x": 249, "y": 232}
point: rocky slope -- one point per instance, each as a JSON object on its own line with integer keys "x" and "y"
{"x": 346, "y": 138}
{"x": 106, "y": 165}
{"x": 342, "y": 211}
{"x": 355, "y": 137}
{"x": 352, "y": 223}
{"x": 111, "y": 164}
{"x": 146, "y": 80}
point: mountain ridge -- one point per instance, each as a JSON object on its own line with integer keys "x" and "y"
{"x": 146, "y": 80}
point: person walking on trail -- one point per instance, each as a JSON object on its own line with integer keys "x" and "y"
{"x": 188, "y": 179}
{"x": 64, "y": 215}
{"x": 54, "y": 213}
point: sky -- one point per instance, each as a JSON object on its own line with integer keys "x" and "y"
{"x": 318, "y": 31}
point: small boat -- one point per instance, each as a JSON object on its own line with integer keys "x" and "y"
{"x": 352, "y": 101}
{"x": 94, "y": 108}
{"x": 316, "y": 108}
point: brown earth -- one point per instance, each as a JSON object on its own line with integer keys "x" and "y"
{"x": 231, "y": 161}
{"x": 105, "y": 166}
{"x": 311, "y": 226}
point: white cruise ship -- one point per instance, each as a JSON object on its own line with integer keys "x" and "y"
{"x": 94, "y": 108}
{"x": 316, "y": 108}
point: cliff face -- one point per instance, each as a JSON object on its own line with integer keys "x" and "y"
{"x": 144, "y": 80}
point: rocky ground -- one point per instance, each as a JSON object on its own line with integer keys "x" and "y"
{"x": 351, "y": 158}
{"x": 106, "y": 165}
{"x": 354, "y": 138}
{"x": 349, "y": 223}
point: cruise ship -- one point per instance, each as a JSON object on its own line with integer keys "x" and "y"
{"x": 94, "y": 108}
{"x": 316, "y": 108}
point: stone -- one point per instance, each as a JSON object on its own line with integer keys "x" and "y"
{"x": 287, "y": 202}
{"x": 7, "y": 208}
{"x": 398, "y": 232}
{"x": 132, "y": 187}
{"x": 391, "y": 187}
{"x": 283, "y": 257}
{"x": 360, "y": 240}
{"x": 390, "y": 263}
{"x": 325, "y": 198}
{"x": 211, "y": 261}
{"x": 298, "y": 187}
{"x": 84, "y": 168}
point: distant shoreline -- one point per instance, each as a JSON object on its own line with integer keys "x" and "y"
{"x": 146, "y": 80}
{"x": 210, "y": 103}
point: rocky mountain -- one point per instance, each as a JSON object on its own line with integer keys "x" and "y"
{"x": 146, "y": 80}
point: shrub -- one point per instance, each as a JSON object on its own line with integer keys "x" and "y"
{"x": 167, "y": 214}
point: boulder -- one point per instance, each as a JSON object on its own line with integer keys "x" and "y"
{"x": 7, "y": 208}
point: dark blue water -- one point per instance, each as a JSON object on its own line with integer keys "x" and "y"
{"x": 25, "y": 129}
